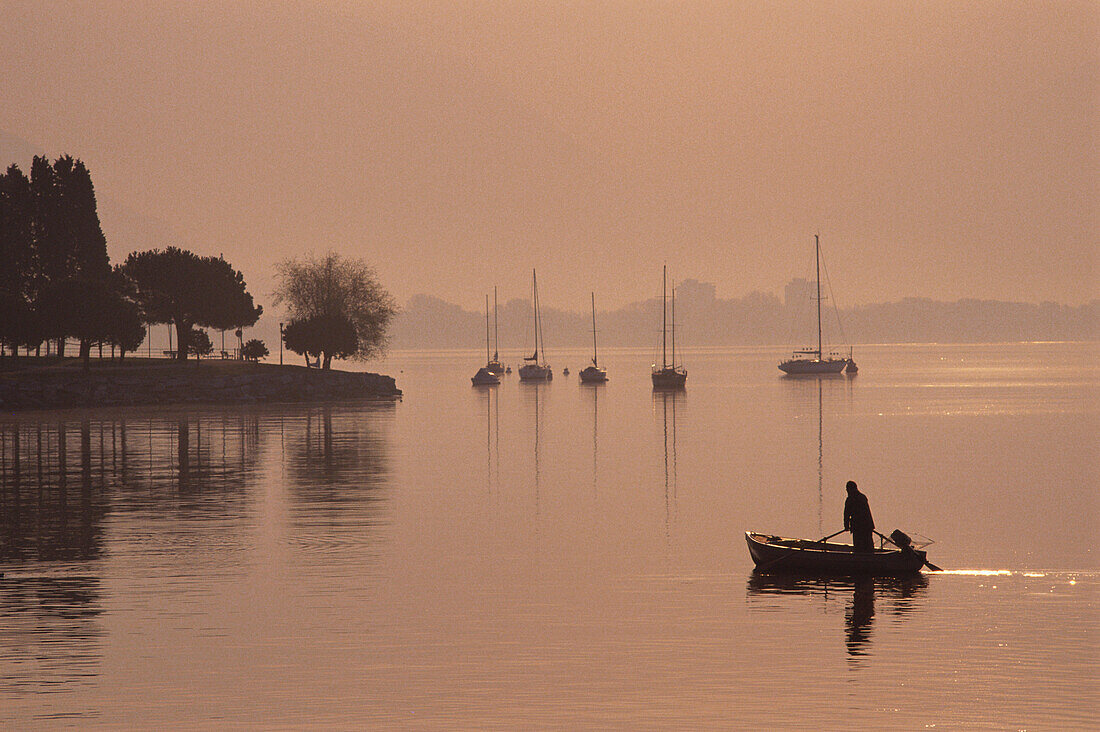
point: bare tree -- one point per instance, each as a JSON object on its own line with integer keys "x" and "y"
{"x": 335, "y": 289}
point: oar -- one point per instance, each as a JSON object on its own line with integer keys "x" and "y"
{"x": 772, "y": 563}
{"x": 928, "y": 564}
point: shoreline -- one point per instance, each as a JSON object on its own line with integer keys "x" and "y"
{"x": 30, "y": 384}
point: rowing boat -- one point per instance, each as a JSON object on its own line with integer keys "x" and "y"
{"x": 780, "y": 554}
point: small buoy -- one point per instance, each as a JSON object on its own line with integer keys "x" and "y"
{"x": 565, "y": 371}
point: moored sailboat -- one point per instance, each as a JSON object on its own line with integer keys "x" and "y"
{"x": 485, "y": 375}
{"x": 594, "y": 374}
{"x": 809, "y": 361}
{"x": 535, "y": 367}
{"x": 669, "y": 375}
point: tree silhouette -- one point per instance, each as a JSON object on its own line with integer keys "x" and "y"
{"x": 18, "y": 322}
{"x": 16, "y": 254}
{"x": 177, "y": 286}
{"x": 50, "y": 240}
{"x": 254, "y": 350}
{"x": 95, "y": 312}
{"x": 337, "y": 307}
{"x": 198, "y": 343}
{"x": 327, "y": 335}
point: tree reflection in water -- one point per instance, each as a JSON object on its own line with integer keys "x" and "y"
{"x": 337, "y": 462}
{"x": 50, "y": 633}
{"x": 60, "y": 480}
{"x": 901, "y": 595}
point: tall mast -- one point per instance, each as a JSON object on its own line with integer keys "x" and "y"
{"x": 817, "y": 265}
{"x": 486, "y": 328}
{"x": 496, "y": 334}
{"x": 674, "y": 326}
{"x": 594, "y": 361}
{"x": 535, "y": 303}
{"x": 664, "y": 316}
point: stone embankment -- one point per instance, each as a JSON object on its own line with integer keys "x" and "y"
{"x": 206, "y": 383}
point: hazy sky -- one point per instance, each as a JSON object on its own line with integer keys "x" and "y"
{"x": 942, "y": 149}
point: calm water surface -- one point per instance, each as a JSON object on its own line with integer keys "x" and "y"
{"x": 563, "y": 556}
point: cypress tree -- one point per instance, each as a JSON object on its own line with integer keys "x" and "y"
{"x": 49, "y": 247}
{"x": 84, "y": 246}
{"x": 16, "y": 254}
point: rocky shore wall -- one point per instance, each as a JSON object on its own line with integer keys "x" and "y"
{"x": 189, "y": 384}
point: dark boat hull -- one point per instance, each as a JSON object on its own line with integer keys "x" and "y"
{"x": 593, "y": 375}
{"x": 798, "y": 367}
{"x": 530, "y": 372}
{"x": 779, "y": 554}
{"x": 669, "y": 378}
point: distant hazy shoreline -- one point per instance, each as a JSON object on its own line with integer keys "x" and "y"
{"x": 758, "y": 319}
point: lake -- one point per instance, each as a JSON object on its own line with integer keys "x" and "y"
{"x": 563, "y": 556}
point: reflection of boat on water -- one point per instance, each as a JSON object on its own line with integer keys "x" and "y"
{"x": 595, "y": 436}
{"x": 594, "y": 374}
{"x": 536, "y": 369}
{"x": 811, "y": 361}
{"x": 486, "y": 376}
{"x": 899, "y": 595}
{"x": 901, "y": 590}
{"x": 669, "y": 375}
{"x": 803, "y": 392}
{"x": 492, "y": 435}
{"x": 779, "y": 554}
{"x": 669, "y": 398}
{"x": 531, "y": 399}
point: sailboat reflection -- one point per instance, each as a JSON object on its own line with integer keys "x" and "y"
{"x": 532, "y": 394}
{"x": 491, "y": 398}
{"x": 668, "y": 399}
{"x": 805, "y": 390}
{"x": 900, "y": 594}
{"x": 595, "y": 388}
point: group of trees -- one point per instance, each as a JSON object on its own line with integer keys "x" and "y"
{"x": 57, "y": 282}
{"x": 180, "y": 287}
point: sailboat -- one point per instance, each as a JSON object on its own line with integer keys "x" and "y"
{"x": 485, "y": 375}
{"x": 669, "y": 375}
{"x": 494, "y": 364}
{"x": 811, "y": 360}
{"x": 534, "y": 368}
{"x": 594, "y": 374}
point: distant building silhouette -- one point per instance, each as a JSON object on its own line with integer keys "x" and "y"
{"x": 798, "y": 292}
{"x": 699, "y": 294}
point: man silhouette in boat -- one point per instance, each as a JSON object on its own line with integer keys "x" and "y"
{"x": 857, "y": 519}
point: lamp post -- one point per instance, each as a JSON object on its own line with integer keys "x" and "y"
{"x": 280, "y": 344}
